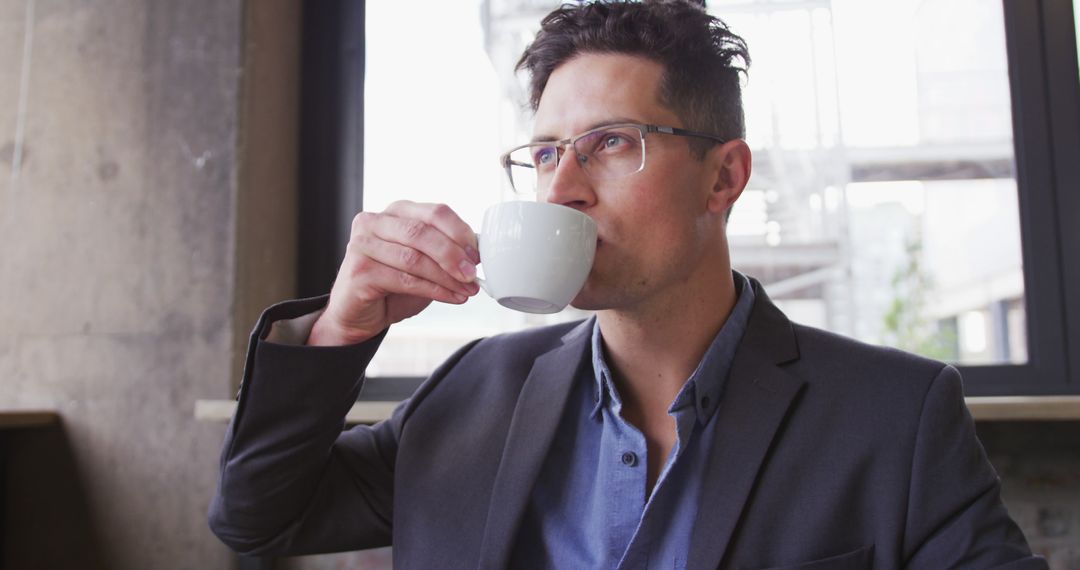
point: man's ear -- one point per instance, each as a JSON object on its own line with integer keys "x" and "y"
{"x": 731, "y": 162}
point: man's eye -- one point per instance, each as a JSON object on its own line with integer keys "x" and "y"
{"x": 613, "y": 141}
{"x": 610, "y": 142}
{"x": 545, "y": 156}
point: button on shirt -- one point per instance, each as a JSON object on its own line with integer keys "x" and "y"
{"x": 589, "y": 508}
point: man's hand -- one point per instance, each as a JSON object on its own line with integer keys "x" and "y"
{"x": 396, "y": 263}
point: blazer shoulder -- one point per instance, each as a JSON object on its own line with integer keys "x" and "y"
{"x": 813, "y": 340}
{"x": 829, "y": 357}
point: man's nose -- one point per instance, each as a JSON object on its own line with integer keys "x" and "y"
{"x": 570, "y": 185}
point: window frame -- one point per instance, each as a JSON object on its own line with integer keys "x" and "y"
{"x": 1035, "y": 32}
{"x": 1045, "y": 91}
{"x": 331, "y": 173}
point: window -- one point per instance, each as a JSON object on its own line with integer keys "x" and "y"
{"x": 444, "y": 85}
{"x": 887, "y": 201}
{"x": 873, "y": 129}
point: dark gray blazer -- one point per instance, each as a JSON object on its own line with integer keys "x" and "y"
{"x": 829, "y": 454}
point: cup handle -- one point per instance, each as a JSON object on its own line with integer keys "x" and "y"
{"x": 480, "y": 280}
{"x": 483, "y": 285}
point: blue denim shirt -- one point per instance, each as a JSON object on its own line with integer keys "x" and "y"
{"x": 589, "y": 508}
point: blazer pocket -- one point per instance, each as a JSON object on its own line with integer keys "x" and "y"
{"x": 860, "y": 559}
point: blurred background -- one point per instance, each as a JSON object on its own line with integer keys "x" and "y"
{"x": 172, "y": 168}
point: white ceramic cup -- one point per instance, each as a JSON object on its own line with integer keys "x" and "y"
{"x": 535, "y": 256}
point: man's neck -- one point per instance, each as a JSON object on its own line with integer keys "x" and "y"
{"x": 653, "y": 350}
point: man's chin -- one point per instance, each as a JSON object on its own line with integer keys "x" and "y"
{"x": 585, "y": 306}
{"x": 588, "y": 300}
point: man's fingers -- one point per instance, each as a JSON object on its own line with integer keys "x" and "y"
{"x": 392, "y": 281}
{"x": 413, "y": 262}
{"x": 454, "y": 258}
{"x": 442, "y": 218}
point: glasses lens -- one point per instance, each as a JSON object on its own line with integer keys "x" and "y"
{"x": 610, "y": 152}
{"x": 529, "y": 165}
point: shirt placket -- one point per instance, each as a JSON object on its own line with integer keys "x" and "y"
{"x": 638, "y": 552}
{"x": 623, "y": 452}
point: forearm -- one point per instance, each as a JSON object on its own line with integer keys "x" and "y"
{"x": 278, "y": 451}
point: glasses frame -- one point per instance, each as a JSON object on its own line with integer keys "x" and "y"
{"x": 563, "y": 144}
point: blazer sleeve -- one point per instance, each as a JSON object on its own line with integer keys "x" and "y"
{"x": 955, "y": 517}
{"x": 292, "y": 481}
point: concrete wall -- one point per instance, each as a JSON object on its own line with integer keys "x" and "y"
{"x": 135, "y": 140}
{"x": 1039, "y": 465}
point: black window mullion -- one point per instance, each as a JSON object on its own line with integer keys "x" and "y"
{"x": 1063, "y": 85}
{"x": 1045, "y": 371}
{"x": 331, "y": 138}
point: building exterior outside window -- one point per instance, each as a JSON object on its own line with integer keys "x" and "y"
{"x": 883, "y": 204}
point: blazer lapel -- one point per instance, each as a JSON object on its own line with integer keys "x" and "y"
{"x": 532, "y": 429}
{"x": 757, "y": 397}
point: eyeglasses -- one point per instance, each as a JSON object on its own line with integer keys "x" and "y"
{"x": 603, "y": 153}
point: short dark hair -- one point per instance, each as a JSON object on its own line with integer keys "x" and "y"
{"x": 701, "y": 56}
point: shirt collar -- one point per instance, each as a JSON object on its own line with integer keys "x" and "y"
{"x": 604, "y": 388}
{"x": 704, "y": 387}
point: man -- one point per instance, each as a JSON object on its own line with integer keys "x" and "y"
{"x": 689, "y": 424}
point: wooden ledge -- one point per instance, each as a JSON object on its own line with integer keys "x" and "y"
{"x": 1025, "y": 408}
{"x": 984, "y": 409}
{"x": 361, "y": 412}
{"x": 16, "y": 419}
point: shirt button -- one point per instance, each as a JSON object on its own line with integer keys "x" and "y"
{"x": 629, "y": 459}
{"x": 705, "y": 403}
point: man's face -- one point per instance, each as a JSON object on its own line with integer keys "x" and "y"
{"x": 656, "y": 231}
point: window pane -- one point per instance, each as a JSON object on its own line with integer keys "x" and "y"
{"x": 883, "y": 203}
{"x": 437, "y": 85}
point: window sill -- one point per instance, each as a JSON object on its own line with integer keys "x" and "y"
{"x": 221, "y": 411}
{"x": 984, "y": 409}
{"x": 1024, "y": 408}
{"x": 18, "y": 419}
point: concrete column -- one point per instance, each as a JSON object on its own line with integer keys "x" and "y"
{"x": 147, "y": 189}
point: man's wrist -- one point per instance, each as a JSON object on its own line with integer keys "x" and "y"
{"x": 327, "y": 332}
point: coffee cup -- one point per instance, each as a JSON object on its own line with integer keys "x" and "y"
{"x": 535, "y": 256}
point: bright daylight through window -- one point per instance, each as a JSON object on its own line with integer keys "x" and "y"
{"x": 883, "y": 204}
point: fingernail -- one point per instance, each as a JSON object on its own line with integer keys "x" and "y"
{"x": 459, "y": 297}
{"x": 473, "y": 254}
{"x": 468, "y": 270}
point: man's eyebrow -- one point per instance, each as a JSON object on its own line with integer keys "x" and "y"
{"x": 596, "y": 125}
